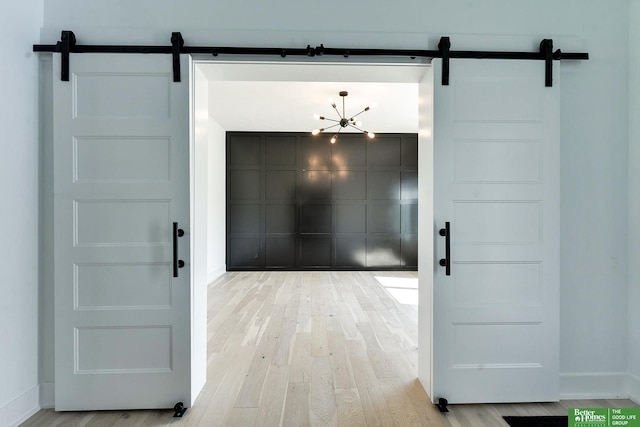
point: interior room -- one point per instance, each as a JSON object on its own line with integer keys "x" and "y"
{"x": 271, "y": 97}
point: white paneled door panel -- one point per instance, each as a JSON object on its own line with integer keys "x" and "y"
{"x": 496, "y": 181}
{"x": 121, "y": 160}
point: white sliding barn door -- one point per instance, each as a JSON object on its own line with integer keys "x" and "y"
{"x": 496, "y": 181}
{"x": 121, "y": 159}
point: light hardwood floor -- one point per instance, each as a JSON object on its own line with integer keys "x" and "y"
{"x": 313, "y": 349}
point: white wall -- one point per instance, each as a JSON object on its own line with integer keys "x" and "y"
{"x": 426, "y": 230}
{"x": 46, "y": 322}
{"x": 199, "y": 189}
{"x": 20, "y": 24}
{"x": 217, "y": 200}
{"x": 594, "y": 116}
{"x": 634, "y": 197}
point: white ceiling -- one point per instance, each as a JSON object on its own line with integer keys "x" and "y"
{"x": 284, "y": 97}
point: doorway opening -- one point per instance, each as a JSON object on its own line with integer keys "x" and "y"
{"x": 264, "y": 96}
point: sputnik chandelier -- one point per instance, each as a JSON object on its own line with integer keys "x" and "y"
{"x": 343, "y": 121}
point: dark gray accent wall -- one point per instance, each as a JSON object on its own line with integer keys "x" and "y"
{"x": 298, "y": 202}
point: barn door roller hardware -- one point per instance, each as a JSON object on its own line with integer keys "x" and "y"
{"x": 67, "y": 45}
{"x": 177, "y": 42}
{"x": 442, "y": 404}
{"x": 179, "y": 410}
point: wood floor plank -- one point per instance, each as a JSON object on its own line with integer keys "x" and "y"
{"x": 58, "y": 419}
{"x": 296, "y": 408}
{"x": 322, "y": 399}
{"x": 233, "y": 339}
{"x": 377, "y": 293}
{"x": 401, "y": 408}
{"x": 273, "y": 397}
{"x": 320, "y": 291}
{"x": 216, "y": 409}
{"x": 242, "y": 417}
{"x": 342, "y": 373}
{"x": 348, "y": 322}
{"x": 362, "y": 298}
{"x": 350, "y": 412}
{"x": 156, "y": 418}
{"x": 253, "y": 383}
{"x": 477, "y": 416}
{"x": 257, "y": 326}
{"x": 38, "y": 418}
{"x": 283, "y": 287}
{"x": 217, "y": 317}
{"x": 352, "y": 302}
{"x": 382, "y": 332}
{"x": 304, "y": 309}
{"x": 217, "y": 340}
{"x": 293, "y": 301}
{"x": 301, "y": 359}
{"x": 381, "y": 364}
{"x": 372, "y": 398}
{"x": 246, "y": 297}
{"x": 331, "y": 306}
{"x": 407, "y": 374}
{"x": 368, "y": 336}
{"x": 319, "y": 340}
{"x": 107, "y": 419}
{"x": 284, "y": 346}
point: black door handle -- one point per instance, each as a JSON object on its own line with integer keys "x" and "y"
{"x": 446, "y": 261}
{"x": 177, "y": 263}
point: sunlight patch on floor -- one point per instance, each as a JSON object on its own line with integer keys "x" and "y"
{"x": 403, "y": 289}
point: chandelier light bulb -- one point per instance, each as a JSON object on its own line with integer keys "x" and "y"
{"x": 316, "y": 116}
{"x": 316, "y": 131}
{"x": 334, "y": 139}
{"x": 371, "y": 135}
{"x": 359, "y": 124}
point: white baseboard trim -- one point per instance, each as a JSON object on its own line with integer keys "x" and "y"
{"x": 578, "y": 386}
{"x": 634, "y": 388}
{"x": 47, "y": 395}
{"x": 217, "y": 272}
{"x": 21, "y": 408}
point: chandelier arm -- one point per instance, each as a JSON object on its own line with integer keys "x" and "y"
{"x": 332, "y": 120}
{"x": 353, "y": 117}
{"x": 337, "y": 111}
{"x": 332, "y": 126}
{"x": 356, "y": 127}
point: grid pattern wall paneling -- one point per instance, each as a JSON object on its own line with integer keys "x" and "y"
{"x": 295, "y": 201}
